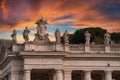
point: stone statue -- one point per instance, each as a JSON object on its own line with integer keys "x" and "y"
{"x": 25, "y": 34}
{"x": 87, "y": 37}
{"x": 65, "y": 37}
{"x": 57, "y": 36}
{"x": 107, "y": 38}
{"x": 41, "y": 28}
{"x": 41, "y": 35}
{"x": 13, "y": 35}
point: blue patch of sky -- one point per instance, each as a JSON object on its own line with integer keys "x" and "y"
{"x": 19, "y": 31}
{"x": 50, "y": 28}
{"x": 61, "y": 26}
{"x": 5, "y": 34}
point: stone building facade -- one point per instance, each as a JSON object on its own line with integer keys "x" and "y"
{"x": 45, "y": 60}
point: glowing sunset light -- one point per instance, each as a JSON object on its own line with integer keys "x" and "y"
{"x": 62, "y": 14}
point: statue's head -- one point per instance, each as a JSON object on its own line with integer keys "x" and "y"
{"x": 26, "y": 27}
{"x": 14, "y": 30}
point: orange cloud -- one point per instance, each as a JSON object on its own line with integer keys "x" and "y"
{"x": 90, "y": 13}
{"x": 4, "y": 10}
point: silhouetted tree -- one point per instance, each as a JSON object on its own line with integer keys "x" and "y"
{"x": 115, "y": 37}
{"x": 97, "y": 35}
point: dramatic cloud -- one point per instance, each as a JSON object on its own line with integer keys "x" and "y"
{"x": 66, "y": 14}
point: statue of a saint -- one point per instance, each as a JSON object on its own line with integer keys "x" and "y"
{"x": 13, "y": 35}
{"x": 107, "y": 38}
{"x": 65, "y": 37}
{"x": 25, "y": 34}
{"x": 87, "y": 37}
{"x": 57, "y": 36}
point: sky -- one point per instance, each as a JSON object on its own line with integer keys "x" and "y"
{"x": 63, "y": 14}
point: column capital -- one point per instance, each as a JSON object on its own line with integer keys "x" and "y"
{"x": 67, "y": 74}
{"x": 109, "y": 72}
{"x": 27, "y": 74}
{"x": 58, "y": 70}
{"x": 87, "y": 74}
{"x": 27, "y": 69}
{"x": 59, "y": 74}
{"x": 108, "y": 75}
{"x": 68, "y": 71}
{"x": 87, "y": 70}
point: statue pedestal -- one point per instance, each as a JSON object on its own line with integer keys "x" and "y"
{"x": 66, "y": 48}
{"x": 87, "y": 48}
{"x": 28, "y": 47}
{"x": 39, "y": 47}
{"x": 17, "y": 47}
{"x": 59, "y": 47}
{"x": 107, "y": 48}
{"x": 41, "y": 39}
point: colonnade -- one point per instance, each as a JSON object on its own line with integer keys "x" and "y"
{"x": 67, "y": 75}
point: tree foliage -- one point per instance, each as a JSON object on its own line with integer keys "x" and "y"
{"x": 115, "y": 37}
{"x": 97, "y": 35}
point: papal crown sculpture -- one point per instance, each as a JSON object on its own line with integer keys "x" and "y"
{"x": 42, "y": 37}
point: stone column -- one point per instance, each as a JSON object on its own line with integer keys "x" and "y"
{"x": 59, "y": 75}
{"x": 54, "y": 76}
{"x": 14, "y": 75}
{"x": 50, "y": 76}
{"x": 68, "y": 75}
{"x": 27, "y": 74}
{"x": 9, "y": 77}
{"x": 108, "y": 75}
{"x": 87, "y": 75}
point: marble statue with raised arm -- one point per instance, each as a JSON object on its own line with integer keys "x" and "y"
{"x": 87, "y": 38}
{"x": 107, "y": 38}
{"x": 65, "y": 37}
{"x": 25, "y": 34}
{"x": 13, "y": 35}
{"x": 57, "y": 35}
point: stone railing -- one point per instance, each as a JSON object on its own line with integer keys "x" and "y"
{"x": 115, "y": 48}
{"x": 97, "y": 48}
{"x": 76, "y": 48}
{"x": 72, "y": 48}
{"x": 94, "y": 49}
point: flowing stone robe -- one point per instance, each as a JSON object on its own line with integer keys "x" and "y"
{"x": 25, "y": 34}
{"x": 107, "y": 39}
{"x": 13, "y": 35}
{"x": 87, "y": 38}
{"x": 65, "y": 37}
{"x": 57, "y": 36}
